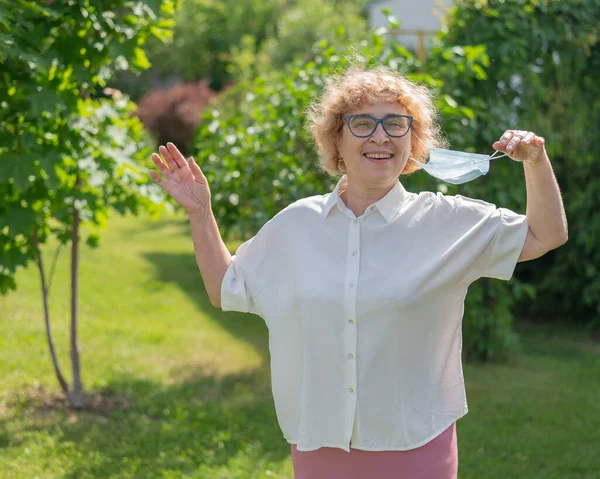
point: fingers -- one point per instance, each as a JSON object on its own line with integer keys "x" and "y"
{"x": 196, "y": 171}
{"x": 171, "y": 163}
{"x": 174, "y": 161}
{"x": 161, "y": 166}
{"x": 176, "y": 155}
{"x": 163, "y": 169}
{"x": 511, "y": 139}
{"x": 157, "y": 179}
{"x": 516, "y": 138}
{"x": 503, "y": 141}
{"x": 528, "y": 138}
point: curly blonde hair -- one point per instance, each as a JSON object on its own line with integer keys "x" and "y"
{"x": 358, "y": 86}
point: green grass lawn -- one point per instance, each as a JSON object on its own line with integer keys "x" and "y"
{"x": 180, "y": 389}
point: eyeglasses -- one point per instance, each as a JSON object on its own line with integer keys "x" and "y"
{"x": 364, "y": 125}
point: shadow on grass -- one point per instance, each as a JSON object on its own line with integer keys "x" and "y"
{"x": 191, "y": 428}
{"x": 181, "y": 269}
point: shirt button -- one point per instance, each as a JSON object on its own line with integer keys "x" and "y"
{"x": 355, "y": 222}
{"x": 351, "y": 284}
{"x": 351, "y": 321}
{"x": 354, "y": 252}
{"x": 351, "y": 390}
{"x": 350, "y": 356}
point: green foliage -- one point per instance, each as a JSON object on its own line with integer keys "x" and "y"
{"x": 308, "y": 21}
{"x": 542, "y": 76}
{"x": 487, "y": 325}
{"x": 60, "y": 149}
{"x": 211, "y": 38}
{"x": 206, "y": 31}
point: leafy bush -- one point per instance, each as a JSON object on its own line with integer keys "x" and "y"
{"x": 306, "y": 22}
{"x": 204, "y": 35}
{"x": 543, "y": 76}
{"x": 210, "y": 35}
{"x": 61, "y": 151}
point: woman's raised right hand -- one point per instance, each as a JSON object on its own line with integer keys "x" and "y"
{"x": 185, "y": 181}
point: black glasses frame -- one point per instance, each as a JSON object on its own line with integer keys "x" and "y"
{"x": 377, "y": 122}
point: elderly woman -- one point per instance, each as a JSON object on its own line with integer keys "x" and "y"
{"x": 363, "y": 289}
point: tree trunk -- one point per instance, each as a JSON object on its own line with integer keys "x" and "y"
{"x": 40, "y": 265}
{"x": 76, "y": 397}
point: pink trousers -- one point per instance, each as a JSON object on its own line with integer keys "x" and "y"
{"x": 438, "y": 459}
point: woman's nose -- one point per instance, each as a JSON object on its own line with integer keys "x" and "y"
{"x": 379, "y": 136}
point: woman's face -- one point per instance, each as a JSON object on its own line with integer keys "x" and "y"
{"x": 375, "y": 172}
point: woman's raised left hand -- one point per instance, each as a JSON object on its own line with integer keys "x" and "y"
{"x": 521, "y": 145}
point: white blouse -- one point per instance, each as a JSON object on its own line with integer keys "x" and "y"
{"x": 364, "y": 314}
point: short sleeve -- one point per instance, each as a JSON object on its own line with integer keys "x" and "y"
{"x": 493, "y": 236}
{"x": 252, "y": 272}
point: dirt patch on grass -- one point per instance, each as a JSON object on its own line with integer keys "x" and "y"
{"x": 43, "y": 400}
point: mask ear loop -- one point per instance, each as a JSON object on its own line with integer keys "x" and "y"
{"x": 494, "y": 157}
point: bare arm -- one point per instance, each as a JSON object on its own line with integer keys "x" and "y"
{"x": 186, "y": 183}
{"x": 212, "y": 255}
{"x": 545, "y": 211}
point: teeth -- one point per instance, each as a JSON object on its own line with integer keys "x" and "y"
{"x": 378, "y": 155}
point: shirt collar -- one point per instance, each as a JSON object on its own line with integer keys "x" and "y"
{"x": 388, "y": 206}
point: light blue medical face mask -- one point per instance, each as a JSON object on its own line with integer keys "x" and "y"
{"x": 457, "y": 167}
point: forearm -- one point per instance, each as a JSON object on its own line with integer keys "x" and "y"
{"x": 545, "y": 211}
{"x": 212, "y": 255}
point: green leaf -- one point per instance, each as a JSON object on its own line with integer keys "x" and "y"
{"x": 140, "y": 60}
{"x": 19, "y": 220}
{"x": 17, "y": 168}
{"x": 48, "y": 165}
{"x": 479, "y": 72}
{"x": 450, "y": 101}
{"x": 4, "y": 22}
{"x": 43, "y": 101}
{"x": 93, "y": 240}
{"x": 7, "y": 283}
{"x": 394, "y": 23}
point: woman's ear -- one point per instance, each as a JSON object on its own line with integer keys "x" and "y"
{"x": 337, "y": 140}
{"x": 336, "y": 145}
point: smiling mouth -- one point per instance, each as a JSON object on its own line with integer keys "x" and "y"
{"x": 378, "y": 156}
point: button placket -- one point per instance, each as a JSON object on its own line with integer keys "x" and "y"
{"x": 352, "y": 276}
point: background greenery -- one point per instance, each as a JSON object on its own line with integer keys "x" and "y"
{"x": 67, "y": 145}
{"x": 210, "y": 36}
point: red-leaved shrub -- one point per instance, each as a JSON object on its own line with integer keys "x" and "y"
{"x": 174, "y": 114}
